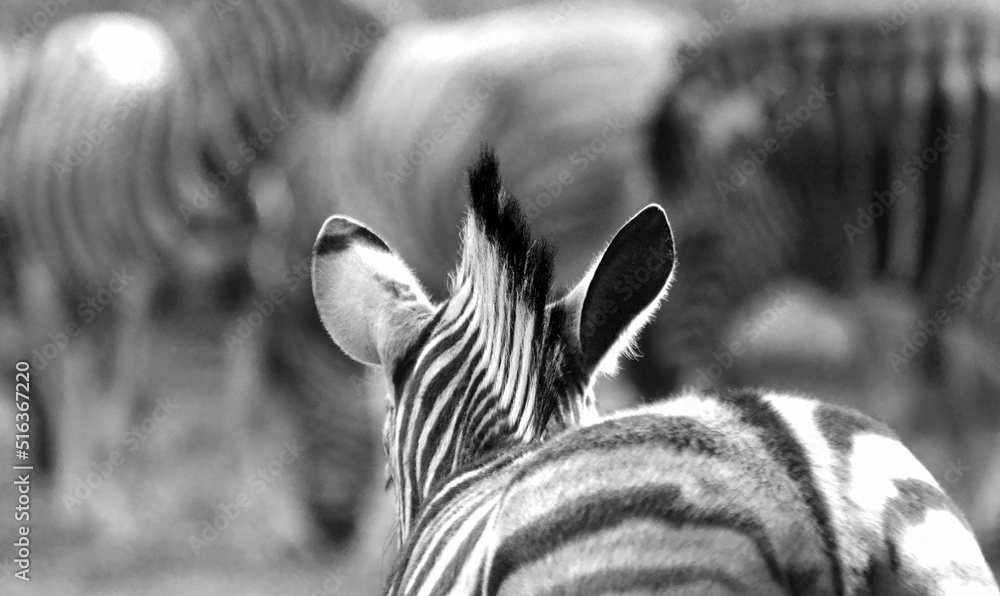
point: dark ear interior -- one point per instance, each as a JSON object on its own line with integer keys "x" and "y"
{"x": 626, "y": 285}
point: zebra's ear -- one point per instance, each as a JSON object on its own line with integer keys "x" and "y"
{"x": 622, "y": 290}
{"x": 368, "y": 300}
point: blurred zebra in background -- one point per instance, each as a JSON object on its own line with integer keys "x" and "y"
{"x": 129, "y": 149}
{"x": 508, "y": 482}
{"x": 565, "y": 101}
{"x": 854, "y": 150}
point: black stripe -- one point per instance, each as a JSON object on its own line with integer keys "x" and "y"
{"x": 909, "y": 508}
{"x": 433, "y": 393}
{"x": 830, "y": 70}
{"x": 607, "y": 509}
{"x": 682, "y": 433}
{"x": 933, "y": 178}
{"x": 405, "y": 407}
{"x": 482, "y": 392}
{"x": 457, "y": 403}
{"x": 405, "y": 364}
{"x": 442, "y": 500}
{"x": 786, "y": 450}
{"x": 965, "y": 251}
{"x": 881, "y": 182}
{"x": 446, "y": 343}
{"x": 490, "y": 431}
{"x": 839, "y": 425}
{"x": 898, "y": 67}
{"x": 339, "y": 241}
{"x": 634, "y": 580}
{"x": 872, "y": 578}
{"x": 916, "y": 498}
{"x": 244, "y": 126}
{"x": 561, "y": 380}
{"x": 419, "y": 346}
{"x": 455, "y": 563}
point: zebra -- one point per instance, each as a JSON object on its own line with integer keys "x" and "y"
{"x": 131, "y": 147}
{"x": 889, "y": 111}
{"x": 852, "y": 151}
{"x": 508, "y": 481}
{"x": 564, "y": 101}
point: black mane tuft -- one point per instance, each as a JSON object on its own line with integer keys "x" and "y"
{"x": 498, "y": 215}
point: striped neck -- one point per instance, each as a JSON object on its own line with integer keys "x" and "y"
{"x": 489, "y": 368}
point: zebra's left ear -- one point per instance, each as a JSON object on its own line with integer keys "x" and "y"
{"x": 622, "y": 290}
{"x": 368, "y": 300}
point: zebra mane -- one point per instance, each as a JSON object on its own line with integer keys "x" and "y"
{"x": 497, "y": 230}
{"x": 505, "y": 277}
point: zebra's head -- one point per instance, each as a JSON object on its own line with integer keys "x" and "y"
{"x": 496, "y": 363}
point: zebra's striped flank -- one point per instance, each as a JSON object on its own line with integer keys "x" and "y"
{"x": 847, "y": 150}
{"x": 131, "y": 142}
{"x": 745, "y": 492}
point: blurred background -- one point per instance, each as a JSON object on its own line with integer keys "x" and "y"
{"x": 165, "y": 166}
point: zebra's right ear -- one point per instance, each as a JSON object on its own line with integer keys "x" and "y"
{"x": 368, "y": 300}
{"x": 622, "y": 290}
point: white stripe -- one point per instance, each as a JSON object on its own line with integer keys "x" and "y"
{"x": 448, "y": 397}
{"x": 450, "y": 552}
